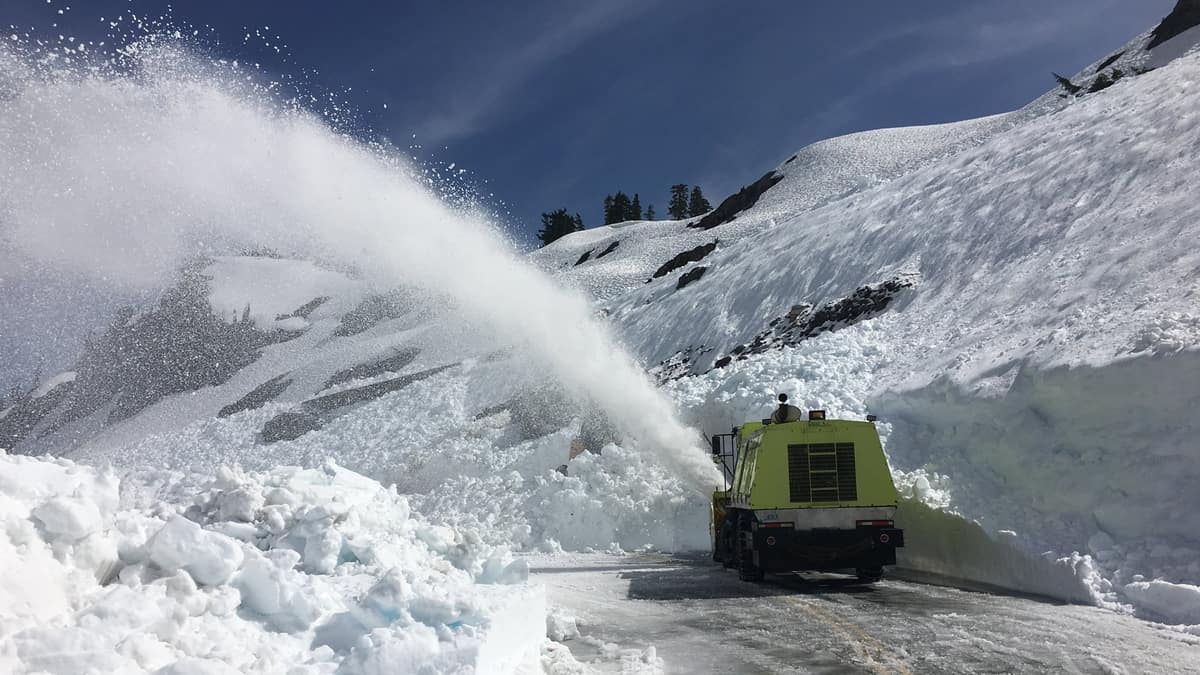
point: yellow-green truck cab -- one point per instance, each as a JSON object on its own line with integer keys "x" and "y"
{"x": 807, "y": 495}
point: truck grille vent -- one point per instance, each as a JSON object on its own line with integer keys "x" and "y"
{"x": 822, "y": 472}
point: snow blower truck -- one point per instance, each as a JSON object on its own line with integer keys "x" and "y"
{"x": 808, "y": 495}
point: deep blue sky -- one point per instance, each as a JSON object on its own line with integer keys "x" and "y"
{"x": 556, "y": 103}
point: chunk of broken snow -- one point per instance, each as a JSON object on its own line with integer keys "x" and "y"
{"x": 210, "y": 558}
{"x": 69, "y": 519}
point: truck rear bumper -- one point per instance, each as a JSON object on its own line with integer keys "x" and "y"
{"x": 787, "y": 550}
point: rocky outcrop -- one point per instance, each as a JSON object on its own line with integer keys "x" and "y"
{"x": 177, "y": 346}
{"x": 744, "y": 199}
{"x": 369, "y": 392}
{"x": 289, "y": 426}
{"x": 689, "y": 256}
{"x": 373, "y": 311}
{"x": 21, "y": 415}
{"x": 304, "y": 310}
{"x": 690, "y": 276}
{"x": 1186, "y": 15}
{"x": 800, "y": 323}
{"x": 260, "y": 396}
{"x": 391, "y": 364}
{"x": 315, "y": 412}
{"x": 611, "y": 247}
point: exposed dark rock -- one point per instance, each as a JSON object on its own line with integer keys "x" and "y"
{"x": 315, "y": 412}
{"x": 864, "y": 303}
{"x": 688, "y": 256}
{"x": 491, "y": 410}
{"x": 391, "y": 364}
{"x": 26, "y": 412}
{"x": 691, "y": 275}
{"x": 611, "y": 247}
{"x": 289, "y": 426}
{"x": 744, "y": 199}
{"x": 678, "y": 365}
{"x": 584, "y": 258}
{"x": 267, "y": 391}
{"x": 800, "y": 323}
{"x": 178, "y": 346}
{"x": 1109, "y": 61}
{"x": 373, "y": 311}
{"x": 791, "y": 159}
{"x": 369, "y": 392}
{"x": 262, "y": 252}
{"x": 304, "y": 310}
{"x": 1185, "y": 15}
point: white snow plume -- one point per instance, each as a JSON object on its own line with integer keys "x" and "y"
{"x": 122, "y": 172}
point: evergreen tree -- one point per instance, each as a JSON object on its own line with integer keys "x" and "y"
{"x": 1072, "y": 88}
{"x": 698, "y": 205}
{"x": 678, "y": 207}
{"x": 635, "y": 209}
{"x": 650, "y": 212}
{"x": 558, "y": 224}
{"x": 622, "y": 208}
{"x": 608, "y": 210}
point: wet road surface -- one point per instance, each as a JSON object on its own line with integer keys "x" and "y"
{"x": 701, "y": 619}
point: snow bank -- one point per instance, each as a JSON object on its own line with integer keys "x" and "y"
{"x": 1176, "y": 603}
{"x": 304, "y": 571}
{"x": 943, "y": 543}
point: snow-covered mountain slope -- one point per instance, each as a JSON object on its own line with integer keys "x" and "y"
{"x": 817, "y": 175}
{"x": 1045, "y": 225}
{"x": 611, "y": 260}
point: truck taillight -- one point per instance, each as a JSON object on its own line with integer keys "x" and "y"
{"x": 874, "y": 523}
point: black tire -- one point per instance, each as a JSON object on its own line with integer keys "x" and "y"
{"x": 725, "y": 541}
{"x": 747, "y": 570}
{"x": 869, "y": 575}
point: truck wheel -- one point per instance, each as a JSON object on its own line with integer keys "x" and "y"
{"x": 725, "y": 542}
{"x": 869, "y": 575}
{"x": 747, "y": 570}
